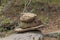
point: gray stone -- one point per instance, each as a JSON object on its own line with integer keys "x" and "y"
{"x": 24, "y": 36}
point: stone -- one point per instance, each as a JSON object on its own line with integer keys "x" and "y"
{"x": 27, "y": 17}
{"x": 17, "y": 29}
{"x": 34, "y": 35}
{"x": 34, "y": 23}
{"x": 27, "y": 29}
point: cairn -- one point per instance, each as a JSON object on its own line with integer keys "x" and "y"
{"x": 28, "y": 21}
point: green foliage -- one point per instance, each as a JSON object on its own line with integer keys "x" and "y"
{"x": 4, "y": 20}
{"x": 2, "y": 29}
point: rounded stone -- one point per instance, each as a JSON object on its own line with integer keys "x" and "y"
{"x": 27, "y": 17}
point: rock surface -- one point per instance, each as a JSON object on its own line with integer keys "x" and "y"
{"x": 24, "y": 36}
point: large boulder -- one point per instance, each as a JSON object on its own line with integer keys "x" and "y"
{"x": 27, "y": 17}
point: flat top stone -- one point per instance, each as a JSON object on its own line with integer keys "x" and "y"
{"x": 27, "y": 16}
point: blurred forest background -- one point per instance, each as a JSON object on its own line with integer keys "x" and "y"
{"x": 47, "y": 10}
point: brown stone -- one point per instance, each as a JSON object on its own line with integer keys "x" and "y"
{"x": 34, "y": 23}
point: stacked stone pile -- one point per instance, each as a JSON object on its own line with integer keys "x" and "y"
{"x": 28, "y": 21}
